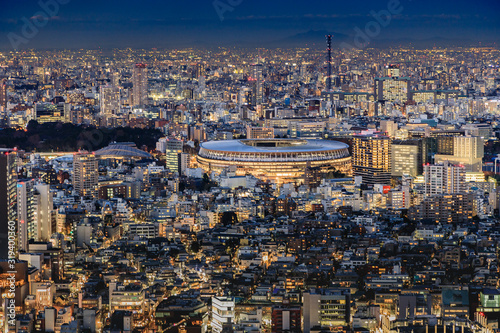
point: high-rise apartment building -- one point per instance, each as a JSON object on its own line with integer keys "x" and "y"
{"x": 35, "y": 213}
{"x": 44, "y": 214}
{"x": 140, "y": 84}
{"x": 109, "y": 100}
{"x": 444, "y": 179}
{"x": 85, "y": 174}
{"x": 197, "y": 133}
{"x": 445, "y": 208}
{"x": 8, "y": 200}
{"x": 372, "y": 158}
{"x": 26, "y": 220}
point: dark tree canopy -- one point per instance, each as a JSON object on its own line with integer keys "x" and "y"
{"x": 69, "y": 137}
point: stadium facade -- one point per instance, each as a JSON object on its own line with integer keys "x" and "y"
{"x": 277, "y": 160}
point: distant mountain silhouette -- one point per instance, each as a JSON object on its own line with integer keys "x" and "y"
{"x": 312, "y": 37}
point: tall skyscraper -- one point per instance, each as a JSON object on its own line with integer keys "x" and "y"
{"x": 44, "y": 212}
{"x": 372, "y": 158}
{"x": 85, "y": 174}
{"x": 257, "y": 93}
{"x": 140, "y": 82}
{"x": 444, "y": 179}
{"x": 8, "y": 193}
{"x": 34, "y": 213}
{"x": 26, "y": 221}
{"x": 109, "y": 100}
{"x": 3, "y": 94}
{"x": 329, "y": 63}
{"x": 173, "y": 149}
{"x": 115, "y": 79}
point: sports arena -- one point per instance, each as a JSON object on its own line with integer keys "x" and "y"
{"x": 278, "y": 160}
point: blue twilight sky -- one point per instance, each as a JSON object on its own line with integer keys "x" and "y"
{"x": 155, "y": 23}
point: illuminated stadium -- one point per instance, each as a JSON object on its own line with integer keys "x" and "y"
{"x": 279, "y": 160}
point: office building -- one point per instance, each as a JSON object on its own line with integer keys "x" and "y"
{"x": 468, "y": 151}
{"x": 408, "y": 157}
{"x": 50, "y": 112}
{"x": 392, "y": 89}
{"x": 109, "y": 100}
{"x": 445, "y": 145}
{"x": 326, "y": 308}
{"x": 8, "y": 193}
{"x": 140, "y": 84}
{"x": 444, "y": 178}
{"x": 172, "y": 150}
{"x": 223, "y": 313}
{"x": 85, "y": 174}
{"x": 260, "y": 132}
{"x": 372, "y": 158}
{"x": 256, "y": 79}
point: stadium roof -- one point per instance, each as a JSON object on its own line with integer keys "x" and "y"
{"x": 273, "y": 145}
{"x": 122, "y": 150}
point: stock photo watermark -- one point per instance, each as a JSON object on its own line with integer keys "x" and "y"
{"x": 372, "y": 29}
{"x": 223, "y": 6}
{"x": 10, "y": 294}
{"x": 31, "y": 26}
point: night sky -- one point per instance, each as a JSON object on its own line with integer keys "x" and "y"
{"x": 155, "y": 23}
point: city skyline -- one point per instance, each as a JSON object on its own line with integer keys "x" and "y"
{"x": 232, "y": 166}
